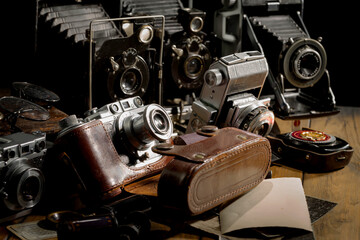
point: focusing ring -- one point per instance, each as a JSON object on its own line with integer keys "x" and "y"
{"x": 25, "y": 188}
{"x": 299, "y": 53}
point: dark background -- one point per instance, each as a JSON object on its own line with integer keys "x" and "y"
{"x": 335, "y": 23}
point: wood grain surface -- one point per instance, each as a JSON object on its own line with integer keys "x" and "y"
{"x": 341, "y": 187}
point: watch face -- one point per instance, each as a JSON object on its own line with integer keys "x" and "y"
{"x": 312, "y": 136}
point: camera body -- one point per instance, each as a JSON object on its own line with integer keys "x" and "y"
{"x": 227, "y": 98}
{"x": 188, "y": 50}
{"x": 90, "y": 49}
{"x": 111, "y": 146}
{"x": 298, "y": 80}
{"x": 189, "y": 55}
{"x": 21, "y": 178}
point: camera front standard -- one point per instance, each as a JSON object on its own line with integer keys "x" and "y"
{"x": 227, "y": 98}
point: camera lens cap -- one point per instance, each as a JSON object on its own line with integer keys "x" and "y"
{"x": 35, "y": 93}
{"x": 24, "y": 108}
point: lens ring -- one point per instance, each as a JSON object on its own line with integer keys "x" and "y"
{"x": 131, "y": 81}
{"x": 146, "y": 34}
{"x": 290, "y": 55}
{"x": 158, "y": 122}
{"x": 28, "y": 184}
{"x": 307, "y": 63}
{"x": 196, "y": 24}
{"x": 193, "y": 66}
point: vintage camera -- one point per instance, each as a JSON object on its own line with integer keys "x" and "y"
{"x": 227, "y": 98}
{"x": 298, "y": 79}
{"x": 117, "y": 136}
{"x": 81, "y": 46}
{"x": 21, "y": 178}
{"x": 188, "y": 50}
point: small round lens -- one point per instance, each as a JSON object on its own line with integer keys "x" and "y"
{"x": 160, "y": 122}
{"x": 130, "y": 81}
{"x": 146, "y": 34}
{"x": 307, "y": 64}
{"x": 196, "y": 24}
{"x": 30, "y": 188}
{"x": 193, "y": 67}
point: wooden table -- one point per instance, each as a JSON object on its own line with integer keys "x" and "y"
{"x": 341, "y": 187}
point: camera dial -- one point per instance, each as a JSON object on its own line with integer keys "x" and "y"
{"x": 213, "y": 77}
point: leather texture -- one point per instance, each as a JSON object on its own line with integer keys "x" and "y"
{"x": 307, "y": 160}
{"x": 214, "y": 170}
{"x": 92, "y": 154}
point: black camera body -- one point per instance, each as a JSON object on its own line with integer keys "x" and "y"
{"x": 188, "y": 50}
{"x": 21, "y": 177}
{"x": 298, "y": 80}
{"x": 227, "y": 98}
{"x": 188, "y": 54}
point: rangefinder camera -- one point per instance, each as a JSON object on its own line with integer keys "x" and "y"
{"x": 111, "y": 146}
{"x": 21, "y": 177}
{"x": 227, "y": 98}
{"x": 298, "y": 79}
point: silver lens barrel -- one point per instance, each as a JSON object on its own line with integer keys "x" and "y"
{"x": 154, "y": 124}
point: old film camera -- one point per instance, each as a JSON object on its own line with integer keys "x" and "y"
{"x": 227, "y": 98}
{"x": 97, "y": 57}
{"x": 111, "y": 146}
{"x": 21, "y": 177}
{"x": 298, "y": 79}
{"x": 188, "y": 50}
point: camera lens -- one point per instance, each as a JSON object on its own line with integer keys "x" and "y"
{"x": 193, "y": 66}
{"x": 146, "y": 34}
{"x": 30, "y": 189}
{"x": 154, "y": 123}
{"x": 196, "y": 24}
{"x": 130, "y": 81}
{"x": 307, "y": 63}
{"x": 25, "y": 187}
{"x": 304, "y": 62}
{"x": 159, "y": 122}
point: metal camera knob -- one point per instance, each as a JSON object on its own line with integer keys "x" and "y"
{"x": 213, "y": 77}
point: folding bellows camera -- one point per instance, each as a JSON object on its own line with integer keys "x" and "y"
{"x": 82, "y": 48}
{"x": 298, "y": 79}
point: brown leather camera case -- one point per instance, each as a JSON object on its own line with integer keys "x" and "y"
{"x": 216, "y": 169}
{"x": 92, "y": 154}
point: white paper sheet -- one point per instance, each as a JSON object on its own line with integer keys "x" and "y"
{"x": 277, "y": 202}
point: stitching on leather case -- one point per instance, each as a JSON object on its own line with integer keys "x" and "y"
{"x": 235, "y": 191}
